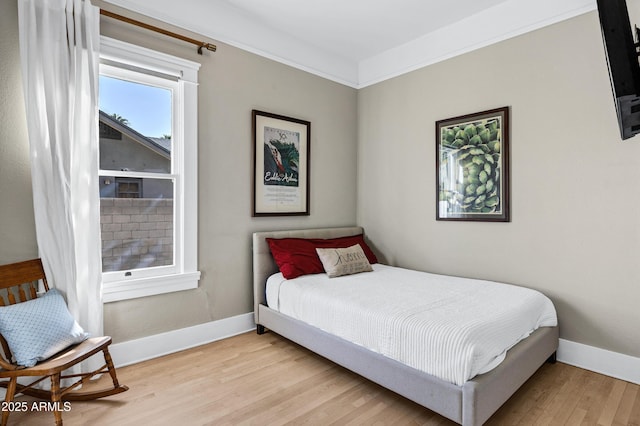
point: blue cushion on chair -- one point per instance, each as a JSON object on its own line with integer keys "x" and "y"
{"x": 39, "y": 328}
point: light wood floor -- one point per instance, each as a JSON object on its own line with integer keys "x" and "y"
{"x": 267, "y": 380}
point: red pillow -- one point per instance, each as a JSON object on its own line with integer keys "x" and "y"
{"x": 297, "y": 256}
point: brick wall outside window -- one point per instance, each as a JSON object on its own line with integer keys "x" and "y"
{"x": 136, "y": 233}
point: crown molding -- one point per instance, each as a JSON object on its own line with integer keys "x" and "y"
{"x": 221, "y": 22}
{"x": 231, "y": 26}
{"x": 515, "y": 17}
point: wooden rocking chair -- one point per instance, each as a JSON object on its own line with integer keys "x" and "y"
{"x": 21, "y": 280}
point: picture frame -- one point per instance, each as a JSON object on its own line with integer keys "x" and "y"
{"x": 281, "y": 159}
{"x": 472, "y": 167}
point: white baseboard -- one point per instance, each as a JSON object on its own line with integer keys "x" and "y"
{"x": 145, "y": 348}
{"x": 601, "y": 361}
{"x": 613, "y": 364}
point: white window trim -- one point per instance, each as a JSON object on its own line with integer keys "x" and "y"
{"x": 185, "y": 275}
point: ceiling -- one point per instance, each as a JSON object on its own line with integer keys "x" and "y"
{"x": 359, "y": 42}
{"x": 358, "y": 29}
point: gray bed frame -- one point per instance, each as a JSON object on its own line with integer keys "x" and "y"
{"x": 470, "y": 404}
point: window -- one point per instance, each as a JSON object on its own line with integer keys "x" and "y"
{"x": 128, "y": 188}
{"x": 148, "y": 171}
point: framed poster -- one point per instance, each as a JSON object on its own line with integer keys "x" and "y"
{"x": 281, "y": 165}
{"x": 472, "y": 167}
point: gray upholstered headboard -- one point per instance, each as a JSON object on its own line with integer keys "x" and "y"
{"x": 264, "y": 265}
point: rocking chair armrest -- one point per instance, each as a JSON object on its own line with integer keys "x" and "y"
{"x": 5, "y": 365}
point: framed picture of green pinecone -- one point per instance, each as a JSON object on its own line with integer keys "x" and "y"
{"x": 472, "y": 167}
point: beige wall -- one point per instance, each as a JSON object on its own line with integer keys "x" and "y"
{"x": 575, "y": 233}
{"x": 575, "y": 229}
{"x": 232, "y": 83}
{"x": 17, "y": 228}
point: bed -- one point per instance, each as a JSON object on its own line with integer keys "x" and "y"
{"x": 469, "y": 403}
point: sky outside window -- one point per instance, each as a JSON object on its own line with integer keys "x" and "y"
{"x": 147, "y": 109}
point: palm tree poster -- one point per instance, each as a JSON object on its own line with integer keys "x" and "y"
{"x": 281, "y": 165}
{"x": 281, "y": 157}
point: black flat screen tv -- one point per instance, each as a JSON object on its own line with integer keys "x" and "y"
{"x": 622, "y": 59}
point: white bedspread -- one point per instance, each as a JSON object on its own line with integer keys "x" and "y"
{"x": 452, "y": 328}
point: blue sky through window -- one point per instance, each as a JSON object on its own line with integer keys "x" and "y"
{"x": 147, "y": 108}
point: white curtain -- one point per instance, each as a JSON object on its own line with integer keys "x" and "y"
{"x": 59, "y": 46}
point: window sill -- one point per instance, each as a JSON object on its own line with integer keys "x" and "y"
{"x": 142, "y": 287}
